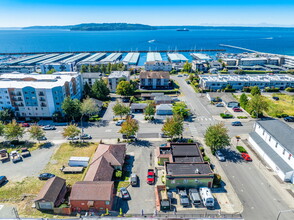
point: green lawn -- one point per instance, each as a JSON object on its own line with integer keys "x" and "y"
{"x": 283, "y": 106}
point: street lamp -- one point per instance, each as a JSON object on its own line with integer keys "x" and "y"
{"x": 289, "y": 210}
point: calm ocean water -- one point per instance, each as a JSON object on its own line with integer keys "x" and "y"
{"x": 274, "y": 40}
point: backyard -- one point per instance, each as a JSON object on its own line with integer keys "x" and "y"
{"x": 22, "y": 194}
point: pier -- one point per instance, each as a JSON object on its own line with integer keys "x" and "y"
{"x": 239, "y": 48}
{"x": 109, "y": 51}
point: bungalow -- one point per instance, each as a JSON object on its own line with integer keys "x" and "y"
{"x": 92, "y": 196}
{"x": 52, "y": 194}
{"x": 164, "y": 109}
{"x": 163, "y": 99}
{"x": 138, "y": 107}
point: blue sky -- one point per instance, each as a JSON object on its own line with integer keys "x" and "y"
{"x": 19, "y": 13}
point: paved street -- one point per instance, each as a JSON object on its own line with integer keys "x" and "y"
{"x": 260, "y": 201}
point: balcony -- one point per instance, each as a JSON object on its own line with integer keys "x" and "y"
{"x": 43, "y": 104}
{"x": 41, "y": 94}
{"x": 42, "y": 99}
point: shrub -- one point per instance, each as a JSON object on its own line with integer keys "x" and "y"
{"x": 118, "y": 173}
{"x": 223, "y": 115}
{"x": 246, "y": 89}
{"x": 283, "y": 115}
{"x": 268, "y": 89}
{"x": 190, "y": 141}
{"x": 201, "y": 149}
{"x": 242, "y": 117}
{"x": 118, "y": 140}
{"x": 206, "y": 159}
{"x": 217, "y": 179}
{"x": 229, "y": 90}
{"x": 289, "y": 89}
{"x": 241, "y": 149}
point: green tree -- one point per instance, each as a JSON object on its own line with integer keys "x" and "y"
{"x": 36, "y": 132}
{"x": 71, "y": 131}
{"x": 125, "y": 88}
{"x": 255, "y": 90}
{"x": 173, "y": 127}
{"x": 71, "y": 107}
{"x": 149, "y": 110}
{"x": 88, "y": 108}
{"x": 187, "y": 67}
{"x": 6, "y": 115}
{"x": 51, "y": 71}
{"x": 120, "y": 109}
{"x": 243, "y": 100}
{"x": 13, "y": 131}
{"x": 216, "y": 137}
{"x": 129, "y": 127}
{"x": 180, "y": 109}
{"x": 1, "y": 129}
{"x": 87, "y": 90}
{"x": 258, "y": 104}
{"x": 100, "y": 90}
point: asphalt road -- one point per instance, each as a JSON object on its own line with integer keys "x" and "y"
{"x": 259, "y": 199}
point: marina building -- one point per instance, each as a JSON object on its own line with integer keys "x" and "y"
{"x": 112, "y": 58}
{"x": 38, "y": 59}
{"x": 56, "y": 58}
{"x": 20, "y": 59}
{"x": 273, "y": 140}
{"x": 215, "y": 82}
{"x": 152, "y": 56}
{"x": 201, "y": 56}
{"x": 38, "y": 95}
{"x": 158, "y": 66}
{"x": 115, "y": 76}
{"x": 154, "y": 80}
{"x": 17, "y": 69}
{"x": 176, "y": 58}
{"x": 131, "y": 59}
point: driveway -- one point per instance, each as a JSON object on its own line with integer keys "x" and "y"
{"x": 30, "y": 166}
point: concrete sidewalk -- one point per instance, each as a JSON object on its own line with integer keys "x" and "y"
{"x": 228, "y": 201}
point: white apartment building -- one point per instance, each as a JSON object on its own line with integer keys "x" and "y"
{"x": 273, "y": 140}
{"x": 158, "y": 66}
{"x": 113, "y": 79}
{"x": 90, "y": 78}
{"x": 215, "y": 82}
{"x": 38, "y": 95}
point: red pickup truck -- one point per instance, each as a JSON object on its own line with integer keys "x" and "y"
{"x": 150, "y": 176}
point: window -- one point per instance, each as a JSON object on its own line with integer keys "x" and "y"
{"x": 107, "y": 202}
{"x": 173, "y": 181}
{"x": 36, "y": 108}
{"x": 185, "y": 181}
{"x": 7, "y": 97}
{"x": 276, "y": 144}
{"x": 270, "y": 138}
{"x": 57, "y": 103}
{"x": 263, "y": 132}
{"x": 284, "y": 151}
{"x": 8, "y": 103}
{"x": 290, "y": 155}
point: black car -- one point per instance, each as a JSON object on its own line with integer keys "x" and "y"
{"x": 289, "y": 119}
{"x": 46, "y": 176}
{"x": 3, "y": 179}
{"x": 276, "y": 98}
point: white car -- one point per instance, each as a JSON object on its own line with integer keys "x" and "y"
{"x": 49, "y": 127}
{"x": 119, "y": 122}
{"x": 219, "y": 155}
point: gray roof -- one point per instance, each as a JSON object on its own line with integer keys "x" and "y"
{"x": 270, "y": 152}
{"x": 91, "y": 75}
{"x": 183, "y": 169}
{"x": 281, "y": 132}
{"x": 185, "y": 150}
{"x": 162, "y": 98}
{"x": 164, "y": 107}
{"x": 138, "y": 105}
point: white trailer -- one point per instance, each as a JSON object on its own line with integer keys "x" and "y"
{"x": 206, "y": 196}
{"x": 78, "y": 161}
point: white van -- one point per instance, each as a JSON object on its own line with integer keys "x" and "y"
{"x": 195, "y": 197}
{"x": 206, "y": 196}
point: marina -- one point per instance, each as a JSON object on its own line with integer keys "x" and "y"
{"x": 21, "y": 59}
{"x": 38, "y": 59}
{"x": 153, "y": 56}
{"x": 201, "y": 56}
{"x": 131, "y": 58}
{"x": 95, "y": 57}
{"x": 57, "y": 58}
{"x": 176, "y": 58}
{"x": 113, "y": 57}
{"x": 75, "y": 58}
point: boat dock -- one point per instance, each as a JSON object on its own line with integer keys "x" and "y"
{"x": 176, "y": 58}
{"x": 57, "y": 58}
{"x": 38, "y": 59}
{"x": 94, "y": 58}
{"x": 113, "y": 57}
{"x": 76, "y": 58}
{"x": 131, "y": 58}
{"x": 21, "y": 59}
{"x": 239, "y": 48}
{"x": 153, "y": 56}
{"x": 201, "y": 56}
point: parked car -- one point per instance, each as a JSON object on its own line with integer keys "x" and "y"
{"x": 236, "y": 123}
{"x": 195, "y": 197}
{"x": 85, "y": 136}
{"x": 219, "y": 155}
{"x": 124, "y": 136}
{"x": 134, "y": 179}
{"x": 206, "y": 196}
{"x": 73, "y": 138}
{"x": 46, "y": 176}
{"x": 131, "y": 115}
{"x": 3, "y": 179}
{"x": 119, "y": 122}
{"x": 289, "y": 119}
{"x": 24, "y": 152}
{"x": 25, "y": 125}
{"x": 276, "y": 98}
{"x": 185, "y": 74}
{"x": 236, "y": 109}
{"x": 43, "y": 138}
{"x": 15, "y": 156}
{"x": 219, "y": 105}
{"x": 4, "y": 155}
{"x": 48, "y": 127}
{"x": 184, "y": 200}
{"x": 150, "y": 176}
{"x": 124, "y": 193}
{"x": 180, "y": 75}
{"x": 246, "y": 157}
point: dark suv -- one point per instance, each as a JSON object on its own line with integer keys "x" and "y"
{"x": 289, "y": 119}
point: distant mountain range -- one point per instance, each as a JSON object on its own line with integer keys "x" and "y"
{"x": 126, "y": 26}
{"x": 98, "y": 27}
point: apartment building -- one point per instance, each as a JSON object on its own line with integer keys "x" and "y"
{"x": 115, "y": 76}
{"x": 158, "y": 66}
{"x": 38, "y": 95}
{"x": 154, "y": 80}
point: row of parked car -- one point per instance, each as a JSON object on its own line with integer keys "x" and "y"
{"x": 15, "y": 156}
{"x": 196, "y": 197}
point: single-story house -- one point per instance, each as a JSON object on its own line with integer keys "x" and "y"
{"x": 92, "y": 196}
{"x": 138, "y": 107}
{"x": 163, "y": 99}
{"x": 52, "y": 194}
{"x": 164, "y": 109}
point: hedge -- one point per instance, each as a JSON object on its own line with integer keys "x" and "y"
{"x": 226, "y": 115}
{"x": 267, "y": 89}
{"x": 242, "y": 117}
{"x": 289, "y": 89}
{"x": 241, "y": 149}
{"x": 158, "y": 91}
{"x": 206, "y": 159}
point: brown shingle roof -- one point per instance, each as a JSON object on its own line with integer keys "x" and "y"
{"x": 154, "y": 75}
{"x": 51, "y": 189}
{"x": 114, "y": 153}
{"x": 92, "y": 190}
{"x": 99, "y": 170}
